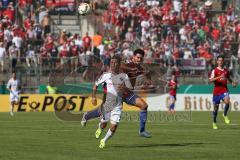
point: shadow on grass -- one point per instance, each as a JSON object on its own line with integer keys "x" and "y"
{"x": 159, "y": 145}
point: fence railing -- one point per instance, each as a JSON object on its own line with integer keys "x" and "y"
{"x": 33, "y": 71}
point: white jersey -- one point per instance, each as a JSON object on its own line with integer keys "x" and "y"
{"x": 113, "y": 81}
{"x": 13, "y": 85}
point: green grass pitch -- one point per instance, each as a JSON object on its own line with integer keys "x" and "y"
{"x": 41, "y": 136}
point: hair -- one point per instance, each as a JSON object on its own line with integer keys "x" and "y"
{"x": 117, "y": 57}
{"x": 138, "y": 51}
{"x": 220, "y": 56}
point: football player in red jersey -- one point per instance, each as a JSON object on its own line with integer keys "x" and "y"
{"x": 220, "y": 77}
{"x": 172, "y": 84}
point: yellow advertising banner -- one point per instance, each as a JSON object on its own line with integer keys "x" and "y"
{"x": 58, "y": 102}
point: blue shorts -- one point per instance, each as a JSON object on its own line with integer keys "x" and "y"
{"x": 131, "y": 99}
{"x": 217, "y": 99}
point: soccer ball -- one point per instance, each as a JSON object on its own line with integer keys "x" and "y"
{"x": 84, "y": 8}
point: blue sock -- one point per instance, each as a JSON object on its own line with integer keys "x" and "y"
{"x": 143, "y": 119}
{"x": 93, "y": 114}
{"x": 171, "y": 106}
{"x": 214, "y": 113}
{"x": 226, "y": 109}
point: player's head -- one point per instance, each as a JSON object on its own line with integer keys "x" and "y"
{"x": 115, "y": 63}
{"x": 14, "y": 75}
{"x": 138, "y": 56}
{"x": 220, "y": 61}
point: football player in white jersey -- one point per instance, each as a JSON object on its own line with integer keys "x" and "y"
{"x": 13, "y": 86}
{"x": 116, "y": 84}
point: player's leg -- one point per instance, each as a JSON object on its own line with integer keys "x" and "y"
{"x": 226, "y": 100}
{"x": 172, "y": 104}
{"x": 214, "y": 114}
{"x": 102, "y": 125}
{"x": 216, "y": 102}
{"x": 11, "y": 108}
{"x": 115, "y": 116}
{"x": 141, "y": 104}
{"x": 95, "y": 113}
{"x": 109, "y": 134}
{"x": 12, "y": 102}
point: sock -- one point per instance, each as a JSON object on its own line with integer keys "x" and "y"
{"x": 226, "y": 109}
{"x": 143, "y": 119}
{"x": 171, "y": 106}
{"x": 214, "y": 113}
{"x": 11, "y": 108}
{"x": 93, "y": 114}
{"x": 108, "y": 135}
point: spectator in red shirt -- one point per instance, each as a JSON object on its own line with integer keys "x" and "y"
{"x": 87, "y": 40}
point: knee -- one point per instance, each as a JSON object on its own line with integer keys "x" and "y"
{"x": 215, "y": 108}
{"x": 143, "y": 105}
{"x": 113, "y": 128}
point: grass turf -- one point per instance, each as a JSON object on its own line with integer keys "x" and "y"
{"x": 41, "y": 136}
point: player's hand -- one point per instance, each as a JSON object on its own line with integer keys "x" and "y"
{"x": 234, "y": 84}
{"x": 222, "y": 76}
{"x": 94, "y": 101}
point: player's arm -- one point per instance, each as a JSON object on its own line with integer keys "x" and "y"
{"x": 9, "y": 86}
{"x": 213, "y": 78}
{"x": 100, "y": 80}
{"x": 233, "y": 82}
{"x": 128, "y": 69}
{"x": 127, "y": 83}
{"x": 94, "y": 92}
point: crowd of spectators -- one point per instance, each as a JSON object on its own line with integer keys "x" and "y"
{"x": 166, "y": 29}
{"x": 172, "y": 29}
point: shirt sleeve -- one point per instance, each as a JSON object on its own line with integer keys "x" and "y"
{"x": 212, "y": 74}
{"x": 101, "y": 79}
{"x": 9, "y": 84}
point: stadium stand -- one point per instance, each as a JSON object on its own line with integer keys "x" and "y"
{"x": 181, "y": 34}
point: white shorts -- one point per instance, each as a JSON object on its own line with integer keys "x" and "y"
{"x": 114, "y": 116}
{"x": 14, "y": 97}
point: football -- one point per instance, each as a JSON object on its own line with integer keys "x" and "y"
{"x": 84, "y": 8}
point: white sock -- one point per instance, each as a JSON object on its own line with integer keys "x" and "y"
{"x": 108, "y": 135}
